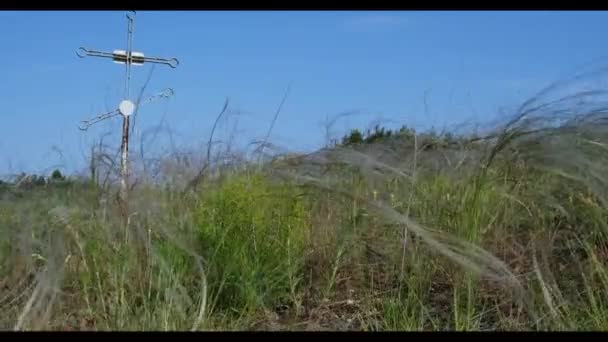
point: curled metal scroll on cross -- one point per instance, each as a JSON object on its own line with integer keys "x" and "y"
{"x": 82, "y": 52}
{"x": 172, "y": 62}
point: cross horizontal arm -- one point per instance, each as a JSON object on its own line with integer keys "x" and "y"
{"x": 120, "y": 56}
{"x": 85, "y": 124}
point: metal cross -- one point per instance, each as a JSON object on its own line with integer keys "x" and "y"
{"x": 126, "y": 107}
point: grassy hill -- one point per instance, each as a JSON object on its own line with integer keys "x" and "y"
{"x": 385, "y": 230}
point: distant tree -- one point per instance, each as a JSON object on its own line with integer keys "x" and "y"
{"x": 379, "y": 133}
{"x": 406, "y": 135}
{"x": 57, "y": 176}
{"x": 404, "y": 138}
{"x": 355, "y": 137}
{"x": 38, "y": 180}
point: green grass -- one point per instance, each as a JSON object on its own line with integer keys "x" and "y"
{"x": 255, "y": 233}
{"x": 256, "y": 251}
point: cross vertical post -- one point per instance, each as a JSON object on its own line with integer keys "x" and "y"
{"x": 124, "y": 146}
{"x": 126, "y": 107}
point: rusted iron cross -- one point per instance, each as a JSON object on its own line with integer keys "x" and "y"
{"x": 126, "y": 107}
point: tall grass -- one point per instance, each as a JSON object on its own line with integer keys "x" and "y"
{"x": 506, "y": 232}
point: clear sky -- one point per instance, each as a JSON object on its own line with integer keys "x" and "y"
{"x": 470, "y": 65}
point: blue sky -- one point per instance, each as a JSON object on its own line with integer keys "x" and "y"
{"x": 472, "y": 66}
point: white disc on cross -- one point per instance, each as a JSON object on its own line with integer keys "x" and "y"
{"x": 126, "y": 107}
